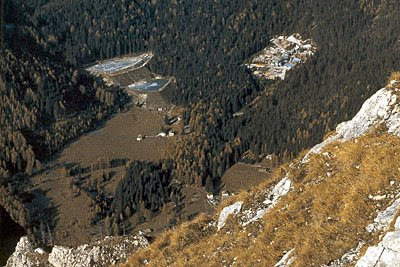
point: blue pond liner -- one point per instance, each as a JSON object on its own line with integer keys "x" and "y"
{"x": 153, "y": 85}
{"x": 113, "y": 66}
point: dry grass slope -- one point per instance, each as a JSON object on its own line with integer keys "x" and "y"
{"x": 323, "y": 216}
{"x": 394, "y": 76}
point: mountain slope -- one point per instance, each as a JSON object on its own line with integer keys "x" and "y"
{"x": 325, "y": 208}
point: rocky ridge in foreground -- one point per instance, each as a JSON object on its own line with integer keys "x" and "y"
{"x": 109, "y": 251}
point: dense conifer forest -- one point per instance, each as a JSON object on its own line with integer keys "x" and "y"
{"x": 45, "y": 104}
{"x": 48, "y": 99}
{"x": 145, "y": 188}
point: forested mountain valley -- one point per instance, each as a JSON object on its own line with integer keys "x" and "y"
{"x": 89, "y": 156}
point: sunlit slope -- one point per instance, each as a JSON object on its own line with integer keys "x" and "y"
{"x": 327, "y": 207}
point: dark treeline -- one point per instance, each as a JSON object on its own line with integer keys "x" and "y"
{"x": 204, "y": 43}
{"x": 45, "y": 103}
{"x": 144, "y": 190}
{"x": 85, "y": 31}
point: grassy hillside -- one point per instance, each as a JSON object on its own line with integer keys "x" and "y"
{"x": 322, "y": 217}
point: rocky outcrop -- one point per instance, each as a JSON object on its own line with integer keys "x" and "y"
{"x": 384, "y": 218}
{"x": 381, "y": 108}
{"x": 25, "y": 255}
{"x": 110, "y": 250}
{"x": 271, "y": 198}
{"x": 286, "y": 260}
{"x": 348, "y": 258}
{"x": 229, "y": 210}
{"x": 256, "y": 211}
{"x": 386, "y": 253}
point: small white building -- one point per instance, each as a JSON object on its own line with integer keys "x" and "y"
{"x": 140, "y": 137}
{"x": 162, "y": 134}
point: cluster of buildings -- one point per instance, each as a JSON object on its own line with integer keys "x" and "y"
{"x": 168, "y": 133}
{"x": 282, "y": 55}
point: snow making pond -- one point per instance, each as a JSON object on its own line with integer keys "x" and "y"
{"x": 119, "y": 64}
{"x": 153, "y": 85}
